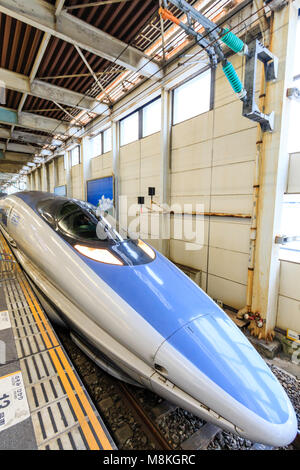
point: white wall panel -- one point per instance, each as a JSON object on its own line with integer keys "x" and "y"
{"x": 290, "y": 280}
{"x": 193, "y": 130}
{"x": 230, "y": 235}
{"x": 233, "y": 179}
{"x": 192, "y": 157}
{"x": 61, "y": 174}
{"x": 229, "y": 265}
{"x": 130, "y": 152}
{"x": 183, "y": 228}
{"x": 288, "y": 315}
{"x": 76, "y": 178}
{"x": 236, "y": 204}
{"x": 130, "y": 187}
{"x": 293, "y": 185}
{"x": 235, "y": 148}
{"x": 188, "y": 254}
{"x": 191, "y": 183}
{"x": 191, "y": 202}
{"x": 130, "y": 170}
{"x": 229, "y": 119}
{"x": 231, "y": 293}
{"x": 150, "y": 145}
{"x": 150, "y": 166}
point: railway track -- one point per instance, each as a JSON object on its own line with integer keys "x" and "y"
{"x": 140, "y": 420}
{"x": 137, "y": 418}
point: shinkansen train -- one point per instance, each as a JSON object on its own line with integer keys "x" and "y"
{"x": 141, "y": 319}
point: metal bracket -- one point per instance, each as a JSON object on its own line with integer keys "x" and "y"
{"x": 293, "y": 94}
{"x": 276, "y": 5}
{"x": 256, "y": 51}
{"x": 284, "y": 239}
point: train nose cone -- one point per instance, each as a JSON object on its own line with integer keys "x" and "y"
{"x": 212, "y": 360}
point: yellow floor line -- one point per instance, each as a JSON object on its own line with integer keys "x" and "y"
{"x": 46, "y": 332}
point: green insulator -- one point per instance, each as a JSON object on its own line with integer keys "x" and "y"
{"x": 232, "y": 77}
{"x": 232, "y": 41}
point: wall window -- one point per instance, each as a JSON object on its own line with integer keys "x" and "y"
{"x": 192, "y": 98}
{"x": 75, "y": 155}
{"x": 290, "y": 223}
{"x": 66, "y": 155}
{"x": 95, "y": 145}
{"x": 141, "y": 123}
{"x": 151, "y": 117}
{"x": 129, "y": 129}
{"x": 107, "y": 145}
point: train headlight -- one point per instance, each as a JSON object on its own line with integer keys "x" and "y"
{"x": 98, "y": 254}
{"x": 147, "y": 249}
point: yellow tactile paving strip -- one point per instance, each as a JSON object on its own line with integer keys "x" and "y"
{"x": 94, "y": 434}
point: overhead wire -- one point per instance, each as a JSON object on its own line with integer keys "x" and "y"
{"x": 201, "y": 52}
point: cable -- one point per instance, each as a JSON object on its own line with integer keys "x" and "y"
{"x": 202, "y": 51}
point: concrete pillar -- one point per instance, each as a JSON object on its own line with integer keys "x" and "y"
{"x": 68, "y": 174}
{"x": 166, "y": 128}
{"x": 274, "y": 169}
{"x": 44, "y": 182}
{"x": 115, "y": 130}
{"x": 86, "y": 164}
{"x": 54, "y": 172}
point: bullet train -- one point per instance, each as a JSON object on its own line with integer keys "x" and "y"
{"x": 141, "y": 319}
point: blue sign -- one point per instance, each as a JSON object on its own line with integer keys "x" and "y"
{"x": 100, "y": 192}
{"x": 60, "y": 190}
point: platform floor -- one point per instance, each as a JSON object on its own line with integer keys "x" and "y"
{"x": 43, "y": 403}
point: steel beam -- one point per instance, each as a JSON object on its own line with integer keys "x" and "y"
{"x": 16, "y": 157}
{"x": 22, "y": 84}
{"x": 33, "y": 138}
{"x": 32, "y": 121}
{"x": 22, "y": 148}
{"x": 41, "y": 15}
{"x": 5, "y": 133}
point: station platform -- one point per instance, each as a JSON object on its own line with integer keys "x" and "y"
{"x": 43, "y": 403}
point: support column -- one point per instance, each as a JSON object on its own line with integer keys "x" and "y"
{"x": 166, "y": 128}
{"x": 44, "y": 177}
{"x": 68, "y": 174}
{"x": 274, "y": 170}
{"x": 54, "y": 172}
{"x": 86, "y": 165}
{"x": 115, "y": 130}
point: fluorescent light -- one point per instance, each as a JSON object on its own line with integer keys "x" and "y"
{"x": 98, "y": 254}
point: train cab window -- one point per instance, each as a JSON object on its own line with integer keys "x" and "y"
{"x": 79, "y": 225}
{"x": 83, "y": 223}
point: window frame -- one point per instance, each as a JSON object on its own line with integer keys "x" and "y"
{"x": 101, "y": 146}
{"x": 212, "y": 92}
{"x": 103, "y": 132}
{"x": 102, "y": 142}
{"x": 140, "y": 121}
{"x": 79, "y": 155}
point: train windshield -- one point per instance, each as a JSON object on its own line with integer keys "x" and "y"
{"x": 94, "y": 234}
{"x": 83, "y": 221}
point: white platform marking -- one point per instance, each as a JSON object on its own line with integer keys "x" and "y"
{"x": 13, "y": 401}
{"x": 4, "y": 320}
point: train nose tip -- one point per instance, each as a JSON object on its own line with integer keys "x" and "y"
{"x": 220, "y": 368}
